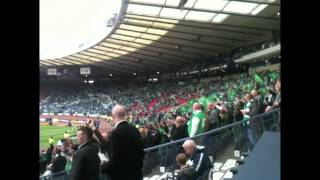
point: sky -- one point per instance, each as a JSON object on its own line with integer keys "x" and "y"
{"x": 66, "y": 24}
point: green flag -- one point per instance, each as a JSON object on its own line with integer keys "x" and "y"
{"x": 231, "y": 94}
{"x": 248, "y": 87}
{"x": 191, "y": 102}
{"x": 212, "y": 98}
{"x": 262, "y": 91}
{"x": 257, "y": 78}
{"x": 184, "y": 109}
{"x": 273, "y": 76}
{"x": 203, "y": 101}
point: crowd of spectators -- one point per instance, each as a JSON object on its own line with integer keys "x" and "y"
{"x": 161, "y": 111}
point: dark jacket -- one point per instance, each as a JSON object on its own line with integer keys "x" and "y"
{"x": 200, "y": 161}
{"x": 214, "y": 116}
{"x": 58, "y": 164}
{"x": 237, "y": 115}
{"x": 254, "y": 107}
{"x": 179, "y": 133}
{"x": 187, "y": 173}
{"x": 126, "y": 158}
{"x": 85, "y": 163}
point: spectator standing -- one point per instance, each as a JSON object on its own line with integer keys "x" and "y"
{"x": 126, "y": 158}
{"x": 85, "y": 163}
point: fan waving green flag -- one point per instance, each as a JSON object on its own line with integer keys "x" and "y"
{"x": 212, "y": 98}
{"x": 191, "y": 102}
{"x": 257, "y": 78}
{"x": 203, "y": 101}
{"x": 273, "y": 76}
{"x": 184, "y": 109}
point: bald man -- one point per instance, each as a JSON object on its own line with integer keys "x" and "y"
{"x": 197, "y": 122}
{"x": 179, "y": 130}
{"x": 126, "y": 150}
{"x": 198, "y": 158}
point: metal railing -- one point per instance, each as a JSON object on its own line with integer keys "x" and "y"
{"x": 215, "y": 142}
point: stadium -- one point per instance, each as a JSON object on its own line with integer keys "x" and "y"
{"x": 159, "y": 60}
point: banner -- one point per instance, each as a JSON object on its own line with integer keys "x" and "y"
{"x": 52, "y": 71}
{"x": 85, "y": 70}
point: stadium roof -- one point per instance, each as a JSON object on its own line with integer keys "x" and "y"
{"x": 166, "y": 35}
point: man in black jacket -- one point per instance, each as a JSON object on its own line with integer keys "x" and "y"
{"x": 85, "y": 163}
{"x": 198, "y": 159}
{"x": 126, "y": 158}
{"x": 179, "y": 130}
{"x": 213, "y": 117}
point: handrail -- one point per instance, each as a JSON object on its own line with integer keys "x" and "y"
{"x": 254, "y": 118}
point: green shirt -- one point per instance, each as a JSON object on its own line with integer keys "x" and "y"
{"x": 197, "y": 123}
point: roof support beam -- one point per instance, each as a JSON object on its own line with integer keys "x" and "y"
{"x": 122, "y": 60}
{"x": 123, "y": 43}
{"x": 184, "y": 32}
{"x": 204, "y": 23}
{"x": 193, "y": 26}
{"x": 168, "y": 61}
{"x": 170, "y": 43}
{"x": 164, "y": 48}
{"x": 203, "y": 10}
{"x": 108, "y": 65}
